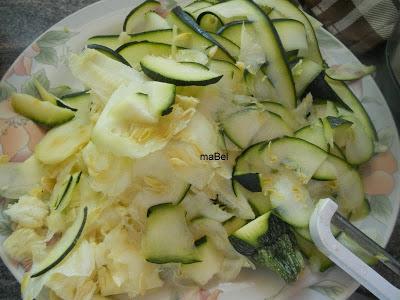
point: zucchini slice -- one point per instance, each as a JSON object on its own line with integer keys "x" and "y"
{"x": 209, "y": 22}
{"x": 242, "y": 135}
{"x": 273, "y": 128}
{"x": 134, "y": 52}
{"x": 228, "y": 45}
{"x": 350, "y": 190}
{"x": 167, "y": 237}
{"x": 304, "y": 72}
{"x": 135, "y": 19}
{"x": 278, "y": 70}
{"x": 348, "y": 97}
{"x": 63, "y": 247}
{"x": 201, "y": 39}
{"x": 289, "y": 10}
{"x": 62, "y": 192}
{"x": 291, "y": 33}
{"x": 42, "y": 112}
{"x": 291, "y": 200}
{"x": 314, "y": 133}
{"x": 196, "y": 5}
{"x": 316, "y": 258}
{"x": 63, "y": 141}
{"x": 109, "y": 52}
{"x": 250, "y": 161}
{"x": 210, "y": 263}
{"x": 233, "y": 30}
{"x": 233, "y": 224}
{"x": 247, "y": 238}
{"x": 44, "y": 94}
{"x": 178, "y": 73}
{"x": 297, "y": 154}
{"x": 110, "y": 41}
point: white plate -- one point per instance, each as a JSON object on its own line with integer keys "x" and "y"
{"x": 47, "y": 56}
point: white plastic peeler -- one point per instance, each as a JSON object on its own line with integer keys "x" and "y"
{"x": 320, "y": 228}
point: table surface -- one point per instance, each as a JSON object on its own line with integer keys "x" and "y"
{"x": 21, "y": 21}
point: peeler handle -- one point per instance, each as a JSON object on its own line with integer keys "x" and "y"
{"x": 320, "y": 229}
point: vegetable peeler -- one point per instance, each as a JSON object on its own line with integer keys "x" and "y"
{"x": 320, "y": 228}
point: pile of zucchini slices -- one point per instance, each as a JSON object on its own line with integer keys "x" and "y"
{"x": 241, "y": 78}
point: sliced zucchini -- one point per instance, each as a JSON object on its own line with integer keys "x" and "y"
{"x": 178, "y": 73}
{"x": 295, "y": 154}
{"x": 135, "y": 19}
{"x": 134, "y": 52}
{"x": 196, "y": 5}
{"x": 228, "y": 45}
{"x": 210, "y": 263}
{"x": 167, "y": 237}
{"x": 44, "y": 94}
{"x": 250, "y": 161}
{"x": 232, "y": 79}
{"x": 260, "y": 86}
{"x": 314, "y": 134}
{"x": 153, "y": 21}
{"x": 63, "y": 141}
{"x": 63, "y": 247}
{"x": 335, "y": 150}
{"x": 42, "y": 112}
{"x": 62, "y": 192}
{"x": 344, "y": 72}
{"x": 291, "y": 200}
{"x": 234, "y": 224}
{"x": 278, "y": 70}
{"x": 80, "y": 101}
{"x": 291, "y": 33}
{"x": 316, "y": 258}
{"x": 242, "y": 135}
{"x": 201, "y": 39}
{"x": 273, "y": 128}
{"x": 109, "y": 41}
{"x": 250, "y": 181}
{"x": 304, "y": 73}
{"x": 350, "y": 191}
{"x": 324, "y": 109}
{"x": 362, "y": 212}
{"x": 233, "y": 30}
{"x": 209, "y": 21}
{"x": 110, "y": 53}
{"x": 247, "y": 238}
{"x": 282, "y": 111}
{"x": 289, "y": 10}
{"x": 348, "y": 97}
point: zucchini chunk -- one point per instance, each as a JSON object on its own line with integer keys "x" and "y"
{"x": 314, "y": 133}
{"x": 178, "y": 73}
{"x": 167, "y": 237}
{"x": 63, "y": 247}
{"x": 270, "y": 243}
{"x": 42, "y": 112}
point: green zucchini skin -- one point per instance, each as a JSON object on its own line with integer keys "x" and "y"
{"x": 159, "y": 77}
{"x": 109, "y": 52}
{"x": 189, "y": 21}
{"x": 250, "y": 181}
{"x": 150, "y": 3}
{"x": 68, "y": 250}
